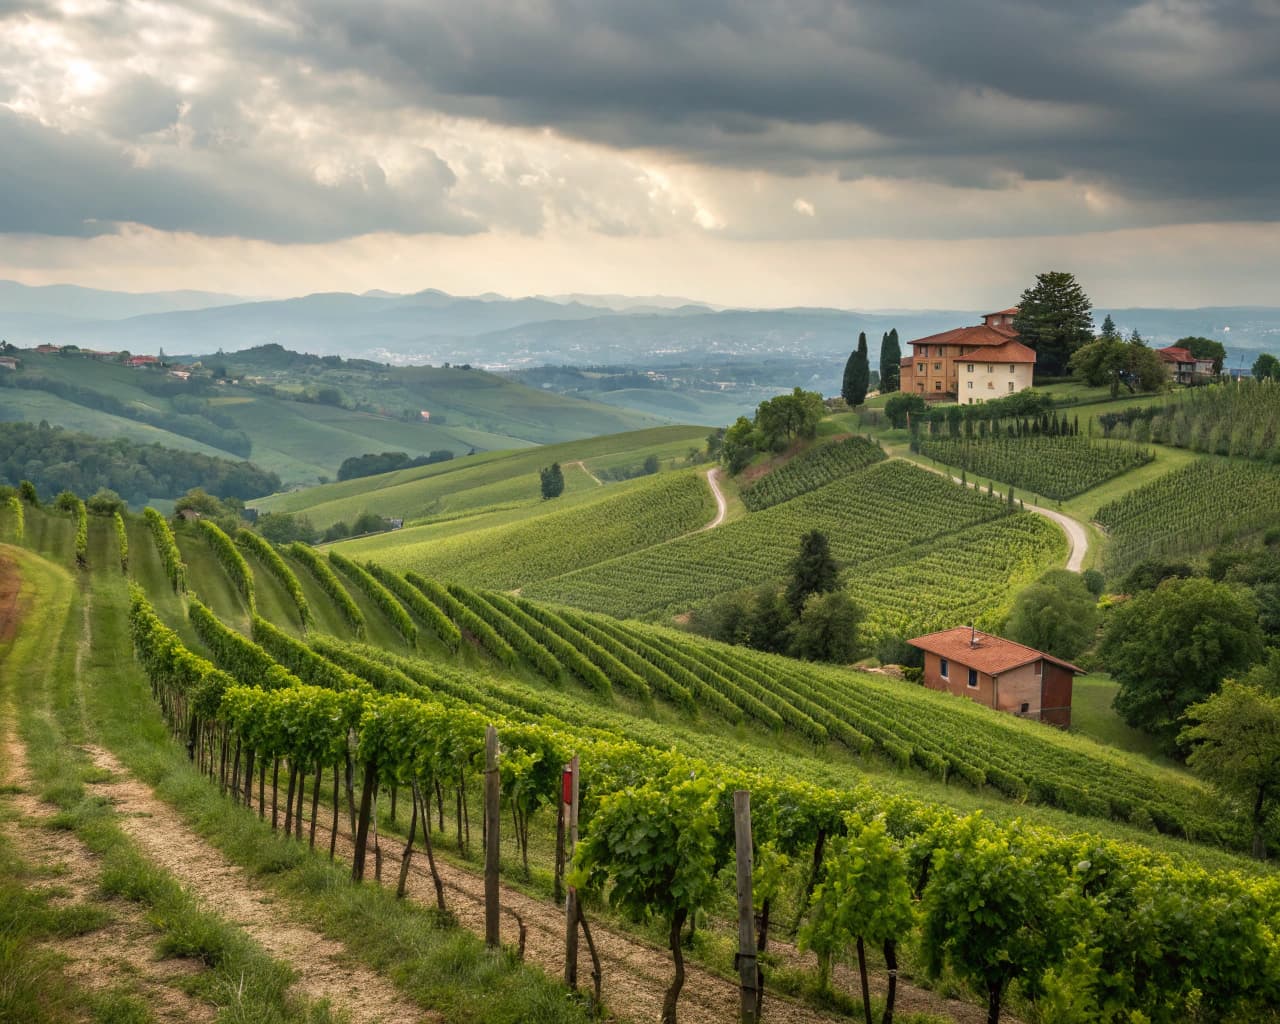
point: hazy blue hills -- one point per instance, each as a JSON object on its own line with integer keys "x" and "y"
{"x": 435, "y": 327}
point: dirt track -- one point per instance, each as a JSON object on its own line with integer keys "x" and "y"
{"x": 326, "y": 969}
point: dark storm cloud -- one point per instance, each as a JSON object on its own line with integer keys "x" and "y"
{"x": 1164, "y": 100}
{"x": 275, "y": 121}
{"x": 63, "y": 184}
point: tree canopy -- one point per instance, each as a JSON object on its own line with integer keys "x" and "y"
{"x": 1205, "y": 348}
{"x": 1171, "y": 647}
{"x": 1266, "y": 367}
{"x": 1056, "y": 614}
{"x": 552, "y": 481}
{"x": 857, "y": 374}
{"x": 890, "y": 362}
{"x": 781, "y": 420}
{"x": 1054, "y": 318}
{"x": 1235, "y": 743}
{"x": 814, "y": 571}
{"x": 1115, "y": 362}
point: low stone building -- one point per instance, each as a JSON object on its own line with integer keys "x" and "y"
{"x": 999, "y": 673}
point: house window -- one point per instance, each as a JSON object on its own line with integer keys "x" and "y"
{"x": 991, "y": 385}
{"x": 937, "y": 385}
{"x": 971, "y": 367}
{"x": 1025, "y": 707}
{"x": 973, "y": 678}
{"x": 990, "y": 368}
{"x": 1011, "y": 367}
{"x": 938, "y": 351}
{"x": 1010, "y": 385}
{"x": 970, "y": 385}
{"x": 1039, "y": 668}
{"x": 943, "y": 666}
{"x": 937, "y": 366}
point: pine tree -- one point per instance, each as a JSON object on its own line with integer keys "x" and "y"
{"x": 814, "y": 571}
{"x": 1109, "y": 330}
{"x": 1055, "y": 317}
{"x": 857, "y": 374}
{"x": 890, "y": 363}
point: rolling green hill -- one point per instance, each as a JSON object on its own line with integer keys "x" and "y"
{"x": 482, "y": 482}
{"x": 1094, "y": 843}
{"x": 304, "y": 441}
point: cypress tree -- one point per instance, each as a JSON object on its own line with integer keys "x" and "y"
{"x": 890, "y": 362}
{"x": 857, "y": 374}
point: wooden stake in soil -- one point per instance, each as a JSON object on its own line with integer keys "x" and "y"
{"x": 746, "y": 958}
{"x": 492, "y": 853}
{"x": 569, "y": 794}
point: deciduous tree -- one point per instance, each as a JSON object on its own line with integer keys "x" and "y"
{"x": 1205, "y": 348}
{"x": 1235, "y": 744}
{"x": 1171, "y": 647}
{"x": 1056, "y": 614}
{"x": 1266, "y": 367}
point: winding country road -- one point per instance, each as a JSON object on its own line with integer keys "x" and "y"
{"x": 1077, "y": 538}
{"x": 722, "y": 506}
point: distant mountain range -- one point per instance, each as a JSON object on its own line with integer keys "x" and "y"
{"x": 492, "y": 330}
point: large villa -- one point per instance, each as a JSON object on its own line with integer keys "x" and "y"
{"x": 970, "y": 364}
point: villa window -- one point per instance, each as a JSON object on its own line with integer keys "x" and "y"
{"x": 973, "y": 678}
{"x": 1011, "y": 367}
{"x": 970, "y": 385}
{"x": 937, "y": 366}
{"x": 943, "y": 668}
{"x": 937, "y": 385}
{"x": 990, "y": 368}
{"x": 1010, "y": 385}
{"x": 971, "y": 367}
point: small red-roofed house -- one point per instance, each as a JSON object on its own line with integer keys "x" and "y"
{"x": 136, "y": 361}
{"x": 1181, "y": 366}
{"x": 999, "y": 673}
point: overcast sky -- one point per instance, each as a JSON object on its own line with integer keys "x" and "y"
{"x": 906, "y": 153}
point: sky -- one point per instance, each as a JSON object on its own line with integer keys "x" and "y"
{"x": 873, "y": 155}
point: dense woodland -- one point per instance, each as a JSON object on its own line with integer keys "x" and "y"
{"x": 56, "y": 460}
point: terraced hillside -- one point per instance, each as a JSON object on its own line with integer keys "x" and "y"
{"x": 889, "y": 514}
{"x": 622, "y": 518}
{"x": 667, "y": 727}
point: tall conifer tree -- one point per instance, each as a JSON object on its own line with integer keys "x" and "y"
{"x": 857, "y": 374}
{"x": 890, "y": 363}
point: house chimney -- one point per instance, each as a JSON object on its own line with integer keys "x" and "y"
{"x": 973, "y": 635}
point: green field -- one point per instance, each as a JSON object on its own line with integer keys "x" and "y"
{"x": 621, "y": 518}
{"x": 479, "y": 482}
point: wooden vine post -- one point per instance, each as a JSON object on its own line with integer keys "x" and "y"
{"x": 569, "y": 794}
{"x": 746, "y": 958}
{"x": 492, "y": 791}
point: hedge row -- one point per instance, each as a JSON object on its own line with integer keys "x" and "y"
{"x": 278, "y": 568}
{"x": 174, "y": 568}
{"x": 330, "y": 584}
{"x": 379, "y": 595}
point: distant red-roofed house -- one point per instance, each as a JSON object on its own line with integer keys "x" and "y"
{"x": 999, "y": 673}
{"x": 48, "y": 349}
{"x": 136, "y": 361}
{"x": 994, "y": 362}
{"x": 1183, "y": 367}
